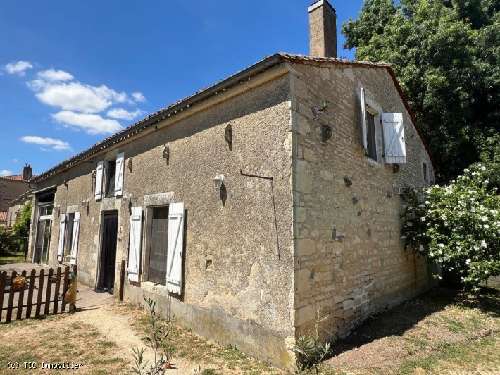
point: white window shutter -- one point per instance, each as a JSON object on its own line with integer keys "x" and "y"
{"x": 175, "y": 247}
{"x": 394, "y": 138}
{"x": 62, "y": 230}
{"x": 120, "y": 164}
{"x": 99, "y": 172}
{"x": 134, "y": 254}
{"x": 76, "y": 235}
{"x": 364, "y": 129}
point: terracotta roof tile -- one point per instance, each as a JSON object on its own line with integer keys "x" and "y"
{"x": 14, "y": 177}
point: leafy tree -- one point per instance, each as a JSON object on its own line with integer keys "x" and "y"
{"x": 21, "y": 228}
{"x": 6, "y": 244}
{"x": 446, "y": 54}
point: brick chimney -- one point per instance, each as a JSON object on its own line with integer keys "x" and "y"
{"x": 322, "y": 29}
{"x": 27, "y": 172}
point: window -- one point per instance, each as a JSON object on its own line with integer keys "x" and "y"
{"x": 157, "y": 262}
{"x": 110, "y": 178}
{"x": 45, "y": 210}
{"x": 371, "y": 136}
{"x": 425, "y": 173}
{"x": 68, "y": 234}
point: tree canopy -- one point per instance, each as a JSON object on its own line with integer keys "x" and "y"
{"x": 446, "y": 55}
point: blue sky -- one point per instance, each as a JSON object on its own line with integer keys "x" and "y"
{"x": 74, "y": 72}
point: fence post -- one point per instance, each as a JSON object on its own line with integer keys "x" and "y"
{"x": 65, "y": 288}
{"x": 20, "y": 300}
{"x": 29, "y": 301}
{"x": 41, "y": 279}
{"x": 56, "y": 291}
{"x": 11, "y": 297}
{"x": 47, "y": 294}
{"x": 3, "y": 277}
{"x": 74, "y": 284}
{"x": 122, "y": 279}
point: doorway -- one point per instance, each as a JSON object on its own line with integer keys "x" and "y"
{"x": 106, "y": 279}
{"x": 42, "y": 242}
{"x": 43, "y": 230}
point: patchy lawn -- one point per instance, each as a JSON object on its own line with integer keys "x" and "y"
{"x": 211, "y": 358}
{"x": 12, "y": 258}
{"x": 57, "y": 339}
{"x": 439, "y": 333}
{"x": 101, "y": 338}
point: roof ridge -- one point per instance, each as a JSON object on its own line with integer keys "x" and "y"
{"x": 220, "y": 86}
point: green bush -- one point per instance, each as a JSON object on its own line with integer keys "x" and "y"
{"x": 21, "y": 228}
{"x": 458, "y": 225}
{"x": 7, "y": 245}
{"x": 310, "y": 352}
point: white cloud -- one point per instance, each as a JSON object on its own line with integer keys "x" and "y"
{"x": 138, "y": 97}
{"x": 5, "y": 172}
{"x": 90, "y": 123}
{"x": 123, "y": 114}
{"x": 54, "y": 144}
{"x": 75, "y": 96}
{"x": 18, "y": 67}
{"x": 53, "y": 75}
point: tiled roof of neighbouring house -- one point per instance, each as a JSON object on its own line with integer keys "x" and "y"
{"x": 202, "y": 95}
{"x": 13, "y": 178}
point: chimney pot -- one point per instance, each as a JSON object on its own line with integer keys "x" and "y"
{"x": 27, "y": 172}
{"x": 322, "y": 29}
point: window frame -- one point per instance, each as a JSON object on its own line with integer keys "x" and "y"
{"x": 426, "y": 173}
{"x": 374, "y": 109}
{"x": 148, "y": 231}
{"x": 109, "y": 181}
{"x": 68, "y": 235}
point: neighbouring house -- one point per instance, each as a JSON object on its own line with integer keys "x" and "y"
{"x": 263, "y": 208}
{"x": 16, "y": 206}
{"x": 12, "y": 187}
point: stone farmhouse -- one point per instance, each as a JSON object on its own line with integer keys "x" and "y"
{"x": 263, "y": 208}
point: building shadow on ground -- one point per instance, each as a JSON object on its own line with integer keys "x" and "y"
{"x": 396, "y": 321}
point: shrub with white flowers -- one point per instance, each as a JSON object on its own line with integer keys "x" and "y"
{"x": 457, "y": 225}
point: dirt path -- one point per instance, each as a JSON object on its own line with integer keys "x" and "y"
{"x": 100, "y": 337}
{"x": 98, "y": 310}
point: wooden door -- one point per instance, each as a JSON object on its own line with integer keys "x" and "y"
{"x": 108, "y": 252}
{"x": 42, "y": 241}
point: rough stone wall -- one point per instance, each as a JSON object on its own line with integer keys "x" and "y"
{"x": 10, "y": 190}
{"x": 349, "y": 260}
{"x": 238, "y": 266}
{"x": 12, "y": 214}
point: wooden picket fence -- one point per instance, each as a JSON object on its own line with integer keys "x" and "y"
{"x": 32, "y": 295}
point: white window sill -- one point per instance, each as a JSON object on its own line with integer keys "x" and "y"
{"x": 373, "y": 163}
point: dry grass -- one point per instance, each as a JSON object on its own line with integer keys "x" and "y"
{"x": 440, "y": 333}
{"x": 57, "y": 339}
{"x": 213, "y": 359}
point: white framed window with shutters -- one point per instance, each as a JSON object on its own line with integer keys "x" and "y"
{"x": 383, "y": 133}
{"x": 109, "y": 176}
{"x": 164, "y": 228}
{"x": 371, "y": 132}
{"x": 69, "y": 233}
